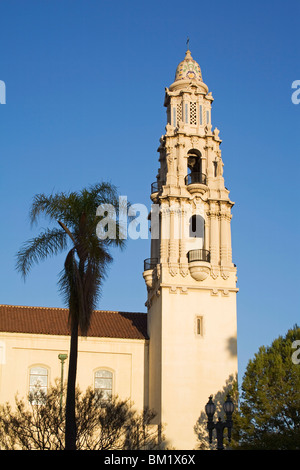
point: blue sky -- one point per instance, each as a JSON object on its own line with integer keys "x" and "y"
{"x": 85, "y": 86}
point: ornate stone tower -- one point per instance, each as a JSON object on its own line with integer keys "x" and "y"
{"x": 190, "y": 277}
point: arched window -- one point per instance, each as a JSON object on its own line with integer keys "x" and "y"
{"x": 194, "y": 165}
{"x": 103, "y": 383}
{"x": 38, "y": 384}
{"x": 196, "y": 226}
{"x": 194, "y": 161}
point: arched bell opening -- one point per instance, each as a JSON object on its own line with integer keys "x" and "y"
{"x": 194, "y": 165}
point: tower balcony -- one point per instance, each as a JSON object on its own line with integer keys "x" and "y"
{"x": 149, "y": 266}
{"x": 156, "y": 187}
{"x": 196, "y": 182}
{"x": 199, "y": 264}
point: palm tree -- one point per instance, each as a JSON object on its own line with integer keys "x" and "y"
{"x": 85, "y": 265}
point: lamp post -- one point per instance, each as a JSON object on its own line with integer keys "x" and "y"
{"x": 62, "y": 358}
{"x": 220, "y": 425}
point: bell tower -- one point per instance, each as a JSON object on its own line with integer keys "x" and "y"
{"x": 190, "y": 277}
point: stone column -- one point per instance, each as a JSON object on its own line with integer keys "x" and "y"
{"x": 229, "y": 253}
{"x": 182, "y": 167}
{"x": 182, "y": 241}
{"x": 223, "y": 236}
{"x": 174, "y": 237}
{"x": 207, "y": 234}
{"x": 165, "y": 233}
{"x": 226, "y": 251}
{"x": 214, "y": 235}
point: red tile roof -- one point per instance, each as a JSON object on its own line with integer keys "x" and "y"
{"x": 54, "y": 321}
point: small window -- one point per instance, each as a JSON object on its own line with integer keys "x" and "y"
{"x": 207, "y": 117}
{"x": 199, "y": 326}
{"x": 103, "y": 383}
{"x": 196, "y": 228}
{"x": 179, "y": 112}
{"x": 38, "y": 384}
{"x": 215, "y": 168}
{"x": 193, "y": 113}
{"x": 174, "y": 117}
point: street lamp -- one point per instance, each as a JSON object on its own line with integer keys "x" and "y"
{"x": 220, "y": 425}
{"x": 62, "y": 358}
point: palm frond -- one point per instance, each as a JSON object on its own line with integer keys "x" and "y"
{"x": 86, "y": 264}
{"x": 48, "y": 243}
{"x": 55, "y": 207}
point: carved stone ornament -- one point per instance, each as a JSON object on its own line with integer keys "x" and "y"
{"x": 214, "y": 274}
{"x": 184, "y": 270}
{"x": 216, "y": 133}
{"x": 173, "y": 269}
{"x": 158, "y": 271}
{"x": 199, "y": 273}
{"x": 224, "y": 274}
{"x": 148, "y": 277}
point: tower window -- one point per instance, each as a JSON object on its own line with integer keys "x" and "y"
{"x": 193, "y": 113}
{"x": 196, "y": 226}
{"x": 199, "y": 326}
{"x": 194, "y": 161}
{"x": 179, "y": 112}
{"x": 194, "y": 164}
{"x": 215, "y": 168}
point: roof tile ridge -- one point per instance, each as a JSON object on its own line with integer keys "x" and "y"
{"x": 119, "y": 311}
{"x": 36, "y": 307}
{"x": 33, "y": 307}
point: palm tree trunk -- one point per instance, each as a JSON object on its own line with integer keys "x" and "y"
{"x": 70, "y": 432}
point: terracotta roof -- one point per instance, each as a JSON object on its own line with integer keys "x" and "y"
{"x": 54, "y": 321}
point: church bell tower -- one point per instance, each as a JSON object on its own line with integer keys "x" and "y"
{"x": 190, "y": 276}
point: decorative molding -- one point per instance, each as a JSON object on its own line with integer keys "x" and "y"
{"x": 184, "y": 270}
{"x": 224, "y": 274}
{"x": 214, "y": 274}
{"x": 173, "y": 290}
{"x": 173, "y": 270}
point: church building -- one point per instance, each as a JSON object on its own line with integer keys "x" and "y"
{"x": 184, "y": 348}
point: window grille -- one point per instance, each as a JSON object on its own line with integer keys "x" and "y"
{"x": 179, "y": 112}
{"x": 193, "y": 113}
